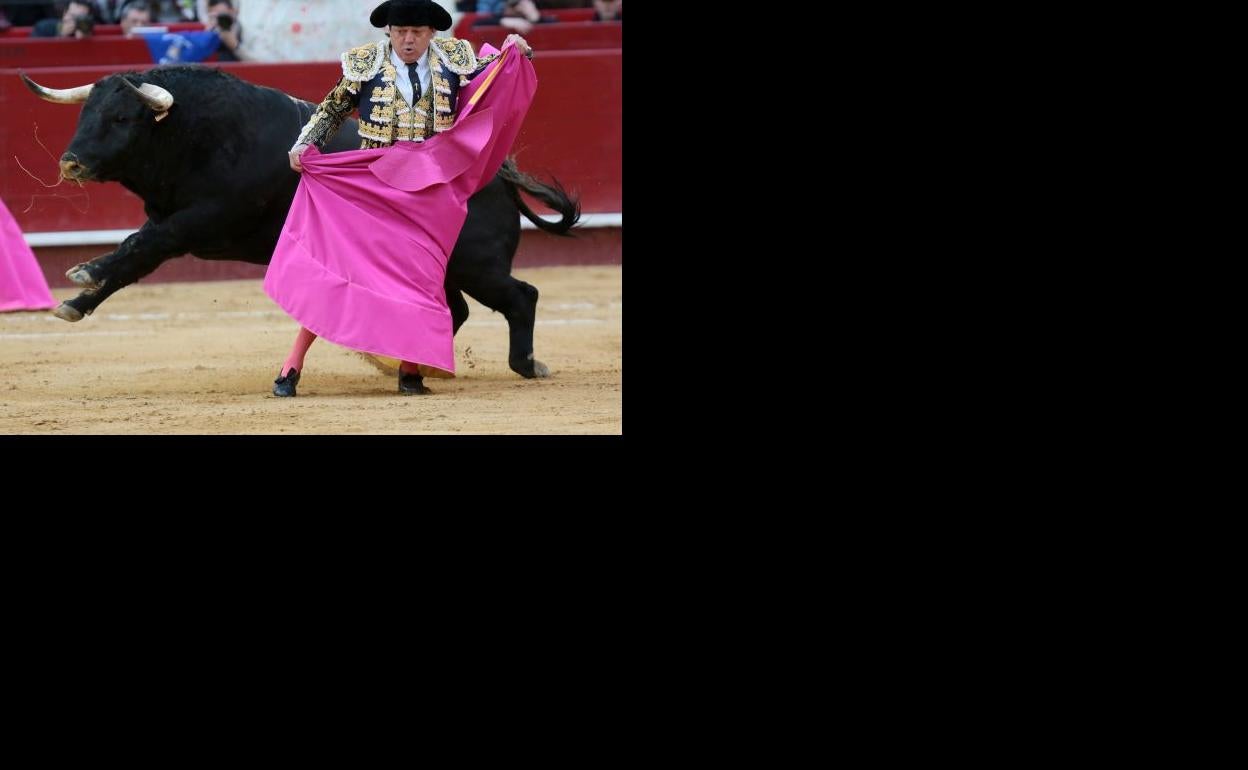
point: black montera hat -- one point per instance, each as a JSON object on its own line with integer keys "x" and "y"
{"x": 410, "y": 13}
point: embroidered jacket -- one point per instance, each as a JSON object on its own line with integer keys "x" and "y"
{"x": 368, "y": 84}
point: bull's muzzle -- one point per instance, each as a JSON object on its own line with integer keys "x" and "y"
{"x": 73, "y": 170}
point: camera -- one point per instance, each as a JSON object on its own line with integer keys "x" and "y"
{"x": 225, "y": 21}
{"x": 84, "y": 24}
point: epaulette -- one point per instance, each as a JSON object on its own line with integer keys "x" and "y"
{"x": 362, "y": 62}
{"x": 456, "y": 54}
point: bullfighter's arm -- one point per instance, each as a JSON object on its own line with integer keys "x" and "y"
{"x": 337, "y": 106}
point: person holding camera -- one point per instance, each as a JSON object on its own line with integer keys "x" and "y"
{"x": 222, "y": 19}
{"x": 78, "y": 21}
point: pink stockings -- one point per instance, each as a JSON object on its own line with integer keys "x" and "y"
{"x": 303, "y": 341}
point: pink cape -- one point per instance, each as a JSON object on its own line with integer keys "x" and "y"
{"x": 22, "y": 285}
{"x": 362, "y": 257}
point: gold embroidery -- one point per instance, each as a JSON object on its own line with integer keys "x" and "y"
{"x": 329, "y": 115}
{"x": 361, "y": 63}
{"x": 457, "y": 54}
{"x": 380, "y": 115}
{"x": 390, "y": 117}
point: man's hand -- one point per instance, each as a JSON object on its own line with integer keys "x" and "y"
{"x": 520, "y": 43}
{"x": 295, "y": 152}
{"x": 229, "y": 37}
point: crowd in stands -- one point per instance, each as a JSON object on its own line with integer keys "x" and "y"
{"x": 279, "y": 30}
{"x": 77, "y": 18}
{"x": 522, "y": 14}
{"x": 31, "y": 13}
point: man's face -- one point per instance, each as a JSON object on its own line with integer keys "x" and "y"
{"x": 410, "y": 43}
{"x": 77, "y": 9}
{"x": 69, "y": 18}
{"x": 135, "y": 17}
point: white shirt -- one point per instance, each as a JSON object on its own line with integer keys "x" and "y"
{"x": 404, "y": 82}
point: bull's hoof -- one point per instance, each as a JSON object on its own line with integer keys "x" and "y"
{"x": 81, "y": 276}
{"x": 67, "y": 312}
{"x": 530, "y": 368}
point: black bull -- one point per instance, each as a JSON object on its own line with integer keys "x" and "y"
{"x": 207, "y": 153}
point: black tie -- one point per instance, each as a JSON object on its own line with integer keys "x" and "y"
{"x": 414, "y": 76}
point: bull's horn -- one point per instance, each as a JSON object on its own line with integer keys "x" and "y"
{"x": 59, "y": 95}
{"x": 155, "y": 97}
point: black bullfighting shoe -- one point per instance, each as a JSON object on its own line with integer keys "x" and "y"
{"x": 411, "y": 384}
{"x": 285, "y": 386}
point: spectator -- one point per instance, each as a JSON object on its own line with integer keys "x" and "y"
{"x": 105, "y": 10}
{"x": 134, "y": 14}
{"x": 224, "y": 21}
{"x": 23, "y": 13}
{"x": 172, "y": 11}
{"x": 608, "y": 10}
{"x": 78, "y": 21}
{"x": 519, "y": 15}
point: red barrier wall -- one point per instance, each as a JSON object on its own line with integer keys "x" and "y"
{"x": 553, "y": 37}
{"x": 562, "y": 14}
{"x": 572, "y": 131}
{"x": 597, "y": 246}
{"x": 29, "y": 52}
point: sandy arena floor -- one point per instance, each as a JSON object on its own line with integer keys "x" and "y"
{"x": 201, "y": 358}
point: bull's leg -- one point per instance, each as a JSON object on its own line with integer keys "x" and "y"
{"x": 89, "y": 299}
{"x": 517, "y": 301}
{"x": 459, "y": 307}
{"x": 137, "y": 256}
{"x": 90, "y": 274}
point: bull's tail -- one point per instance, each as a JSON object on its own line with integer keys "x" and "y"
{"x": 552, "y": 195}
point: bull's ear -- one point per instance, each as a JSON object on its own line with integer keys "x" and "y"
{"x": 59, "y": 95}
{"x": 155, "y": 97}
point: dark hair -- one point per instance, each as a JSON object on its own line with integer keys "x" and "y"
{"x": 126, "y": 7}
{"x": 92, "y": 11}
